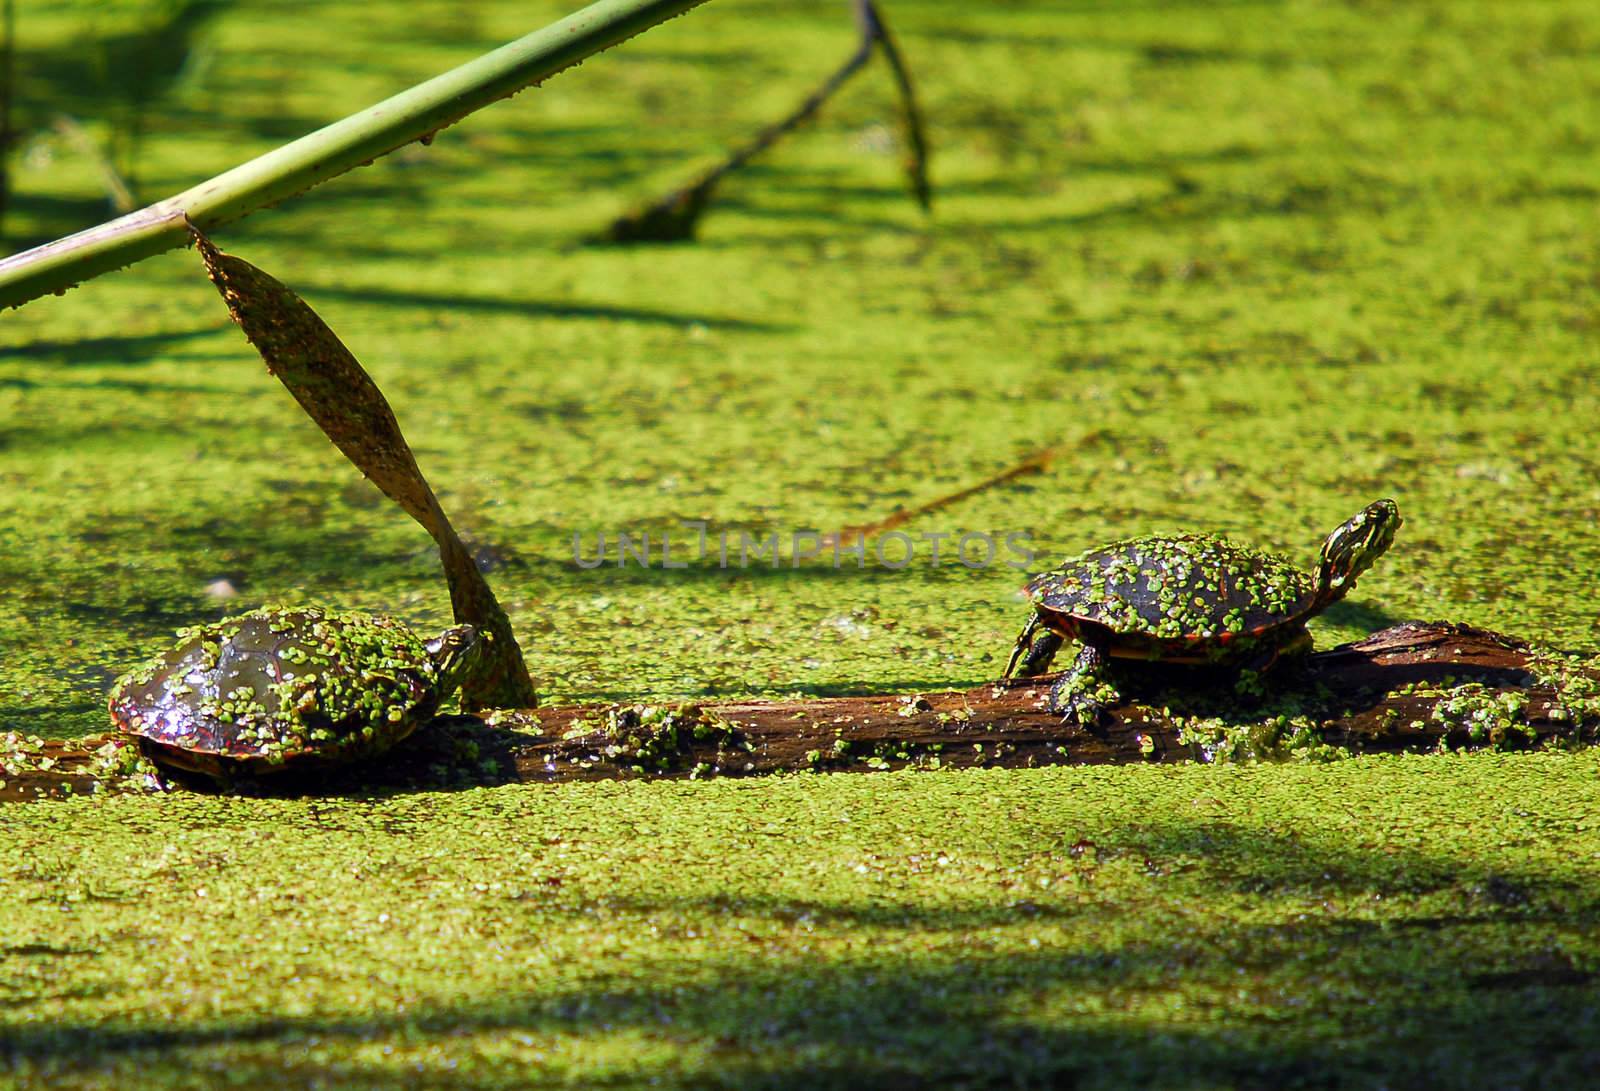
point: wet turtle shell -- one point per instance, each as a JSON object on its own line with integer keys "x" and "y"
{"x": 278, "y": 687}
{"x": 1174, "y": 594}
{"x": 1200, "y": 597}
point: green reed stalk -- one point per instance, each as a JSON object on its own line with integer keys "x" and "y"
{"x": 416, "y": 114}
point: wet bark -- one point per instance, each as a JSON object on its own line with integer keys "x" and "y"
{"x": 1381, "y": 694}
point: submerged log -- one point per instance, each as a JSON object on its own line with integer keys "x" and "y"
{"x": 1417, "y": 686}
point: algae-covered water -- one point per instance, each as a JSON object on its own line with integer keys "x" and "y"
{"x": 1172, "y": 927}
{"x": 1245, "y": 267}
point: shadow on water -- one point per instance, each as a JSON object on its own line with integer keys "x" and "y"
{"x": 1105, "y": 7}
{"x": 291, "y": 543}
{"x": 128, "y": 349}
{"x": 1400, "y": 1002}
{"x": 51, "y": 217}
{"x": 1174, "y": 205}
{"x": 61, "y": 719}
{"x": 1182, "y": 203}
{"x": 127, "y": 386}
{"x": 64, "y": 436}
{"x": 288, "y": 547}
{"x": 710, "y": 573}
{"x": 531, "y": 307}
{"x": 1361, "y": 615}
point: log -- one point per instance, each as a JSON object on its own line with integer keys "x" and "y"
{"x": 1417, "y": 686}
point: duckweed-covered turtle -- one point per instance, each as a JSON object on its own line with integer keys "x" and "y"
{"x": 1188, "y": 598}
{"x": 277, "y": 687}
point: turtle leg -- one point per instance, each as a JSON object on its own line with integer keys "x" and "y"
{"x": 1082, "y": 693}
{"x": 1039, "y": 652}
{"x": 1294, "y": 649}
{"x": 1021, "y": 645}
{"x": 1290, "y": 648}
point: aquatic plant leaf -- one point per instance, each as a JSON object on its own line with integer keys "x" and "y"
{"x": 335, "y": 391}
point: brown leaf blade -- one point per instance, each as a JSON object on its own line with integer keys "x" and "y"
{"x": 336, "y": 392}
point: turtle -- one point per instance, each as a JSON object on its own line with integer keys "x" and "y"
{"x": 1185, "y": 598}
{"x": 288, "y": 687}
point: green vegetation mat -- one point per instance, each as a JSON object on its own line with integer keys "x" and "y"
{"x": 1249, "y": 265}
{"x": 1426, "y": 921}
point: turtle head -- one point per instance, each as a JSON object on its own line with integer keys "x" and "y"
{"x": 1353, "y": 546}
{"x": 455, "y": 652}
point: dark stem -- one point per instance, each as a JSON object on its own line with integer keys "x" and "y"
{"x": 8, "y": 72}
{"x": 1037, "y": 462}
{"x": 874, "y": 28}
{"x": 799, "y": 116}
{"x": 502, "y": 679}
{"x": 673, "y": 218}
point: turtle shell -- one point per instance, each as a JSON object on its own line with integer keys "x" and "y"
{"x": 1177, "y": 594}
{"x": 275, "y": 686}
